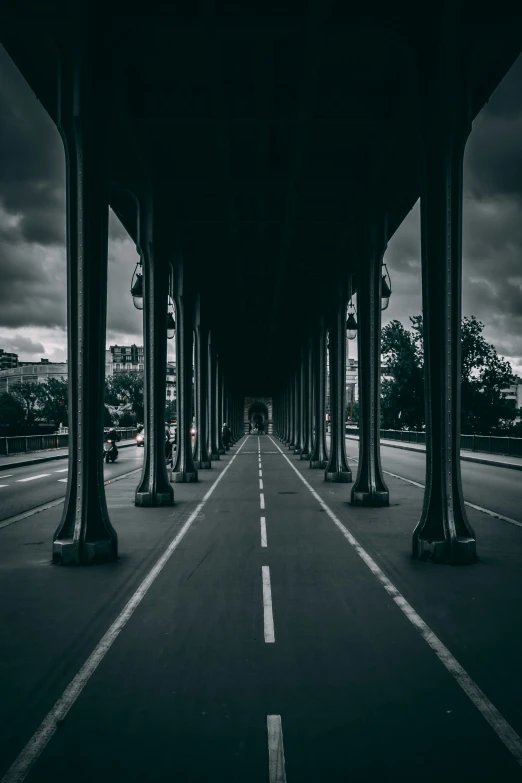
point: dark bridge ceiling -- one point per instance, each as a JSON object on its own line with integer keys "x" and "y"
{"x": 270, "y": 126}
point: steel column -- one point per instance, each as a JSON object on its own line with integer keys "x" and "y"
{"x": 318, "y": 456}
{"x": 85, "y": 534}
{"x": 337, "y": 468}
{"x": 443, "y": 533}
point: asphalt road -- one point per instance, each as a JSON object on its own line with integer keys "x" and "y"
{"x": 265, "y": 630}
{"x": 27, "y": 487}
{"x": 497, "y": 489}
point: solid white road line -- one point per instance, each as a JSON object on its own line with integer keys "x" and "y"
{"x": 268, "y": 615}
{"x": 276, "y": 753}
{"x": 487, "y": 511}
{"x": 62, "y": 470}
{"x": 262, "y": 501}
{"x": 264, "y": 541}
{"x": 32, "y": 478}
{"x": 19, "y": 769}
{"x": 498, "y": 723}
{"x": 260, "y": 483}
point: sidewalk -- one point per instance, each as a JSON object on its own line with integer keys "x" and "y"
{"x": 22, "y": 460}
{"x": 484, "y": 458}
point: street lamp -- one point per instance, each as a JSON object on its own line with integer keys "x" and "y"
{"x": 351, "y": 323}
{"x": 137, "y": 287}
{"x": 385, "y": 289}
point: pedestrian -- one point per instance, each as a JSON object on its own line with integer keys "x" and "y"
{"x": 226, "y": 435}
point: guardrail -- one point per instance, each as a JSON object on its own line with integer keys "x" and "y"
{"x": 490, "y": 444}
{"x": 22, "y": 444}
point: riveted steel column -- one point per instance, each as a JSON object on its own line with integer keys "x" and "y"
{"x": 369, "y": 488}
{"x": 154, "y": 488}
{"x": 298, "y": 404}
{"x": 214, "y": 416}
{"x": 443, "y": 533}
{"x": 337, "y": 468}
{"x": 307, "y": 401}
{"x": 318, "y": 456}
{"x": 85, "y": 534}
{"x": 184, "y": 469}
{"x": 293, "y": 384}
{"x": 202, "y": 456}
{"x": 219, "y": 401}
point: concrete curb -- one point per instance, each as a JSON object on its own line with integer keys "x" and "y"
{"x": 480, "y": 460}
{"x": 25, "y": 462}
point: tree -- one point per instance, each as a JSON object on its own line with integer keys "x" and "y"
{"x": 31, "y": 396}
{"x": 126, "y": 388}
{"x": 53, "y": 405}
{"x": 484, "y": 375}
{"x": 171, "y": 410}
{"x": 484, "y": 410}
{"x": 402, "y": 396}
{"x": 12, "y": 413}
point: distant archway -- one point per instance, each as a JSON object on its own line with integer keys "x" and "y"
{"x": 258, "y": 413}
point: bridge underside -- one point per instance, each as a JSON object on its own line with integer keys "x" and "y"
{"x": 261, "y": 155}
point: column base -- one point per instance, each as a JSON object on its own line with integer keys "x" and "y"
{"x": 297, "y": 451}
{"x": 318, "y": 464}
{"x": 202, "y": 464}
{"x": 340, "y": 476}
{"x": 214, "y": 455}
{"x": 221, "y": 451}
{"x": 90, "y": 553}
{"x": 305, "y": 455}
{"x": 154, "y": 499}
{"x": 184, "y": 476}
{"x": 463, "y": 551}
{"x": 371, "y": 499}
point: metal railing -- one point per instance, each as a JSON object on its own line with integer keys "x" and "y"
{"x": 22, "y": 444}
{"x": 490, "y": 444}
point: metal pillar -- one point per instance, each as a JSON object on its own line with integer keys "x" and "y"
{"x": 369, "y": 488}
{"x": 202, "y": 456}
{"x": 221, "y": 404}
{"x": 214, "y": 417}
{"x": 85, "y": 534}
{"x": 184, "y": 469}
{"x": 337, "y": 468}
{"x": 307, "y": 401}
{"x": 443, "y": 533}
{"x": 318, "y": 456}
{"x": 298, "y": 403}
{"x": 292, "y": 396}
{"x": 154, "y": 488}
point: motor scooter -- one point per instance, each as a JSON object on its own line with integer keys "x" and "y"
{"x": 110, "y": 452}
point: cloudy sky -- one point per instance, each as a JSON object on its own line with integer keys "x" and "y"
{"x": 32, "y": 231}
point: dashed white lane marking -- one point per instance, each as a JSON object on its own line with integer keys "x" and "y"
{"x": 19, "y": 769}
{"x": 262, "y": 501}
{"x": 268, "y": 615}
{"x": 276, "y": 753}
{"x": 498, "y": 723}
{"x": 62, "y": 470}
{"x": 260, "y": 473}
{"x": 487, "y": 511}
{"x": 264, "y": 541}
{"x": 260, "y": 483}
{"x": 6, "y": 475}
{"x": 62, "y": 479}
{"x": 32, "y": 478}
{"x": 4, "y": 485}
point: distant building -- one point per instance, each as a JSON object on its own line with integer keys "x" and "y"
{"x": 514, "y": 394}
{"x": 34, "y": 373}
{"x": 8, "y": 360}
{"x": 123, "y": 358}
{"x": 130, "y": 358}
